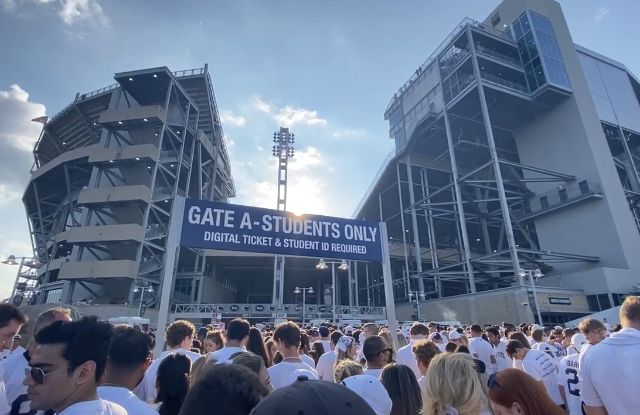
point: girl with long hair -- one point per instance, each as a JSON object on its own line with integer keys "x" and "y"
{"x": 256, "y": 345}
{"x": 172, "y": 383}
{"x": 403, "y": 389}
{"x": 513, "y": 392}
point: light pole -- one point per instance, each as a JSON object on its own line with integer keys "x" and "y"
{"x": 142, "y": 289}
{"x": 533, "y": 274}
{"x": 304, "y": 291}
{"x": 418, "y": 296}
{"x": 344, "y": 266}
{"x": 30, "y": 263}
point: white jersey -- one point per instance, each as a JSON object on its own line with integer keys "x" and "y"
{"x": 146, "y": 390}
{"x": 281, "y": 374}
{"x": 406, "y": 357}
{"x": 125, "y": 398}
{"x": 559, "y": 351}
{"x": 308, "y": 360}
{"x": 325, "y": 366}
{"x": 97, "y": 407}
{"x": 543, "y": 367}
{"x": 503, "y": 361}
{"x": 568, "y": 371}
{"x": 483, "y": 350}
{"x": 545, "y": 347}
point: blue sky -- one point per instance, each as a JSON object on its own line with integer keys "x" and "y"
{"x": 326, "y": 68}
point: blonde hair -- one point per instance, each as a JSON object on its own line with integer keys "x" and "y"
{"x": 345, "y": 369}
{"x": 452, "y": 381}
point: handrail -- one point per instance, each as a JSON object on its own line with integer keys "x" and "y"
{"x": 188, "y": 72}
{"x": 500, "y": 56}
{"x": 497, "y": 80}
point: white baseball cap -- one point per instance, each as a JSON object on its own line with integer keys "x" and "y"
{"x": 372, "y": 391}
{"x": 578, "y": 340}
{"x": 536, "y": 327}
{"x": 454, "y": 335}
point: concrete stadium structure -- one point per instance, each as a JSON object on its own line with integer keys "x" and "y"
{"x": 515, "y": 150}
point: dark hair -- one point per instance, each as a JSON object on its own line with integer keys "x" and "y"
{"x": 178, "y": 331}
{"x": 335, "y": 336}
{"x": 317, "y": 350}
{"x": 419, "y": 329}
{"x": 256, "y": 345}
{"x": 512, "y": 385}
{"x": 513, "y": 346}
{"x": 537, "y": 335}
{"x": 277, "y": 358}
{"x": 493, "y": 330}
{"x": 216, "y": 337}
{"x": 519, "y": 336}
{"x": 373, "y": 346}
{"x": 324, "y": 331}
{"x": 403, "y": 389}
{"x": 224, "y": 389}
{"x": 462, "y": 349}
{"x": 304, "y": 342}
{"x": 85, "y": 340}
{"x": 238, "y": 329}
{"x": 10, "y": 312}
{"x": 475, "y": 328}
{"x": 450, "y": 347}
{"x": 288, "y": 333}
{"x": 129, "y": 348}
{"x": 172, "y": 382}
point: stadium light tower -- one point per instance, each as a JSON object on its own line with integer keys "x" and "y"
{"x": 282, "y": 149}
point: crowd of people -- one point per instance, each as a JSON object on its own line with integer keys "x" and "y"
{"x": 90, "y": 367}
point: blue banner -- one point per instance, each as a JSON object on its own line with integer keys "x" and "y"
{"x": 222, "y": 226}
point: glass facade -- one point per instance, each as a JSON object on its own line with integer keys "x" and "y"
{"x": 550, "y": 51}
{"x": 529, "y": 52}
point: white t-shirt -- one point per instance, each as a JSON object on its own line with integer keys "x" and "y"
{"x": 503, "y": 361}
{"x": 325, "y": 366}
{"x": 146, "y": 390}
{"x": 280, "y": 374}
{"x": 406, "y": 357}
{"x": 610, "y": 375}
{"x": 559, "y": 351}
{"x": 568, "y": 371}
{"x": 482, "y": 350}
{"x": 308, "y": 360}
{"x": 225, "y": 353}
{"x": 373, "y": 372}
{"x": 543, "y": 367}
{"x": 545, "y": 347}
{"x": 98, "y": 407}
{"x": 4, "y": 405}
{"x": 16, "y": 392}
{"x": 125, "y": 398}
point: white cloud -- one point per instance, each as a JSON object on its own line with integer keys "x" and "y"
{"x": 305, "y": 159}
{"x": 349, "y": 133}
{"x": 229, "y": 117}
{"x": 75, "y": 11}
{"x": 288, "y": 116}
{"x": 601, "y": 13}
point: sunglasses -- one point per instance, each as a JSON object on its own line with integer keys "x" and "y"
{"x": 493, "y": 381}
{"x": 38, "y": 375}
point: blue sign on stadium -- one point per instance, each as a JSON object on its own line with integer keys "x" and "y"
{"x": 222, "y": 226}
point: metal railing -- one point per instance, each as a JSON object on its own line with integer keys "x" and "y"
{"x": 452, "y": 62}
{"x": 97, "y": 92}
{"x": 188, "y": 72}
{"x": 498, "y": 55}
{"x": 267, "y": 310}
{"x": 563, "y": 195}
{"x": 503, "y": 82}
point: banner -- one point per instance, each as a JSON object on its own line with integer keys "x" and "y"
{"x": 223, "y": 226}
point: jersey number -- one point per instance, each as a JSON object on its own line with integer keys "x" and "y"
{"x": 572, "y": 381}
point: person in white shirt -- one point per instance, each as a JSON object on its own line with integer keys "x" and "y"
{"x": 609, "y": 372}
{"x": 327, "y": 362}
{"x": 424, "y": 351}
{"x": 287, "y": 338}
{"x": 538, "y": 365}
{"x": 237, "y": 337}
{"x": 594, "y": 331}
{"x": 66, "y": 366}
{"x": 555, "y": 341}
{"x": 368, "y": 330}
{"x": 499, "y": 350}
{"x": 324, "y": 339}
{"x": 11, "y": 321}
{"x": 539, "y": 343}
{"x": 569, "y": 383}
{"x": 15, "y": 365}
{"x": 129, "y": 358}
{"x": 417, "y": 332}
{"x": 481, "y": 349}
{"x": 178, "y": 337}
{"x": 378, "y": 354}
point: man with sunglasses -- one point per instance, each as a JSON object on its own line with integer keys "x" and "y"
{"x": 129, "y": 358}
{"x": 15, "y": 365}
{"x": 378, "y": 354}
{"x": 66, "y": 366}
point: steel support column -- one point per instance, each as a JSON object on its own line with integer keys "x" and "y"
{"x": 496, "y": 162}
{"x": 414, "y": 224}
{"x": 424, "y": 182}
{"x": 404, "y": 233}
